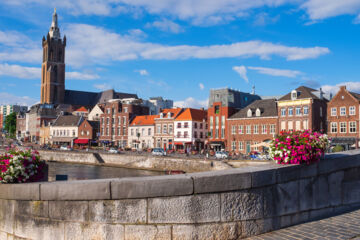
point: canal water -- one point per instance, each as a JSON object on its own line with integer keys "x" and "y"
{"x": 83, "y": 172}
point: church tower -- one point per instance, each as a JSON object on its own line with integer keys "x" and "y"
{"x": 53, "y": 65}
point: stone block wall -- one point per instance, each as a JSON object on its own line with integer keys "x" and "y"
{"x": 228, "y": 204}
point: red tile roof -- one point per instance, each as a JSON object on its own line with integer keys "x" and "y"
{"x": 191, "y": 114}
{"x": 144, "y": 120}
{"x": 81, "y": 109}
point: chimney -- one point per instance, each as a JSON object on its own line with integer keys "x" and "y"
{"x": 331, "y": 96}
{"x": 321, "y": 94}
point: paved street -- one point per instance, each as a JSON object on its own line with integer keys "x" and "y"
{"x": 345, "y": 226}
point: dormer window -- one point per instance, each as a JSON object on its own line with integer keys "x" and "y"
{"x": 169, "y": 115}
{"x": 249, "y": 113}
{"x": 294, "y": 95}
{"x": 258, "y": 112}
{"x": 161, "y": 115}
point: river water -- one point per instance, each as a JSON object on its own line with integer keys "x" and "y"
{"x": 82, "y": 171}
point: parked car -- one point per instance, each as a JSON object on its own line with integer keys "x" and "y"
{"x": 158, "y": 152}
{"x": 65, "y": 148}
{"x": 113, "y": 150}
{"x": 221, "y": 155}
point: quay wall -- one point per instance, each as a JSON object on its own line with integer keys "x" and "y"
{"x": 226, "y": 204}
{"x": 147, "y": 162}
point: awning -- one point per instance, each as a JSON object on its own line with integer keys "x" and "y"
{"x": 81, "y": 141}
{"x": 178, "y": 143}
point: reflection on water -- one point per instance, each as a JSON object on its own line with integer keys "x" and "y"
{"x": 81, "y": 171}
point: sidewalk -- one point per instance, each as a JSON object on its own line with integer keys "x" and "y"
{"x": 345, "y": 226}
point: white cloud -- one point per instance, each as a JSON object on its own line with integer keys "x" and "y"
{"x": 166, "y": 26}
{"x": 90, "y": 44}
{"x": 322, "y": 9}
{"x": 102, "y": 87}
{"x": 143, "y": 72}
{"x": 241, "y": 70}
{"x": 263, "y": 19}
{"x": 191, "y": 103}
{"x": 35, "y": 73}
{"x": 201, "y": 86}
{"x": 277, "y": 72}
{"x": 350, "y": 86}
{"x": 7, "y": 98}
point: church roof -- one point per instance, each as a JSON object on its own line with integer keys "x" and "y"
{"x": 82, "y": 98}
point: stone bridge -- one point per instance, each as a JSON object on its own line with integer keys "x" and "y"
{"x": 226, "y": 204}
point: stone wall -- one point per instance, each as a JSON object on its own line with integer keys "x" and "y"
{"x": 147, "y": 162}
{"x": 228, "y": 204}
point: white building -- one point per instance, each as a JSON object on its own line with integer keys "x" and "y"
{"x": 190, "y": 129}
{"x": 141, "y": 132}
{"x": 6, "y": 110}
{"x": 65, "y": 129}
{"x": 95, "y": 113}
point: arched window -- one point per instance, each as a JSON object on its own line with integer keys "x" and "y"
{"x": 258, "y": 112}
{"x": 249, "y": 113}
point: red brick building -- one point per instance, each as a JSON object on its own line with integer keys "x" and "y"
{"x": 222, "y": 104}
{"x": 343, "y": 118}
{"x": 301, "y": 109}
{"x": 253, "y": 125}
{"x": 1, "y": 121}
{"x": 87, "y": 132}
{"x": 114, "y": 122}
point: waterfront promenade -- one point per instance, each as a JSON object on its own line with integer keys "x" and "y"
{"x": 344, "y": 226}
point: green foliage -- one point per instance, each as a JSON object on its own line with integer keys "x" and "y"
{"x": 338, "y": 148}
{"x": 10, "y": 123}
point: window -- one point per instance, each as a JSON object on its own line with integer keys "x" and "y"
{"x": 321, "y": 112}
{"x": 179, "y": 125}
{"x": 186, "y": 124}
{"x": 201, "y": 135}
{"x": 149, "y": 131}
{"x": 352, "y": 110}
{"x": 82, "y": 132}
{"x": 283, "y": 125}
{"x": 333, "y": 127}
{"x": 170, "y": 128}
{"x": 272, "y": 129}
{"x": 256, "y": 148}
{"x": 102, "y": 132}
{"x": 256, "y": 129}
{"x": 211, "y": 121}
{"x": 119, "y": 120}
{"x": 249, "y": 113}
{"x": 108, "y": 110}
{"x": 102, "y": 120}
{"x": 143, "y": 132}
{"x": 283, "y": 112}
{"x": 195, "y": 134}
{"x": 233, "y": 146}
{"x": 185, "y": 134}
{"x": 342, "y": 111}
{"x": 73, "y": 133}
{"x": 306, "y": 124}
{"x": 217, "y": 109}
{"x": 306, "y": 110}
{"x": 125, "y": 109}
{"x": 158, "y": 128}
{"x": 132, "y": 132}
{"x": 124, "y": 120}
{"x": 216, "y": 122}
{"x": 195, "y": 125}
{"x": 258, "y": 112}
{"x": 263, "y": 129}
{"x": 248, "y": 129}
{"x": 107, "y": 121}
{"x": 124, "y": 132}
{"x": 241, "y": 146}
{"x": 222, "y": 126}
{"x": 290, "y": 125}
{"x": 223, "y": 132}
{"x": 343, "y": 127}
{"x": 164, "y": 128}
{"x": 119, "y": 131}
{"x": 297, "y": 125}
{"x": 241, "y": 129}
{"x": 233, "y": 130}
{"x": 201, "y": 125}
{"x": 352, "y": 127}
{"x": 333, "y": 111}
{"x": 217, "y": 133}
{"x": 290, "y": 111}
{"x": 298, "y": 111}
{"x": 178, "y": 134}
{"x": 112, "y": 131}
{"x": 293, "y": 94}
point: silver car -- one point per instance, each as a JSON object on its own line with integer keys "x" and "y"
{"x": 221, "y": 155}
{"x": 158, "y": 152}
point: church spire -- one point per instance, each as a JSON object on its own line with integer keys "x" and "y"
{"x": 54, "y": 29}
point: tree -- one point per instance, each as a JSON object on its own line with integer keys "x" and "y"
{"x": 10, "y": 123}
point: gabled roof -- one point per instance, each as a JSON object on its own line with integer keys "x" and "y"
{"x": 191, "y": 114}
{"x": 144, "y": 120}
{"x": 81, "y": 109}
{"x": 68, "y": 120}
{"x": 175, "y": 112}
{"x": 267, "y": 107}
{"x": 303, "y": 92}
{"x": 93, "y": 124}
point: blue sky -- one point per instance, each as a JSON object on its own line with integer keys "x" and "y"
{"x": 180, "y": 49}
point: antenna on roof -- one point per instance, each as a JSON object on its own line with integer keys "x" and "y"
{"x": 253, "y": 90}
